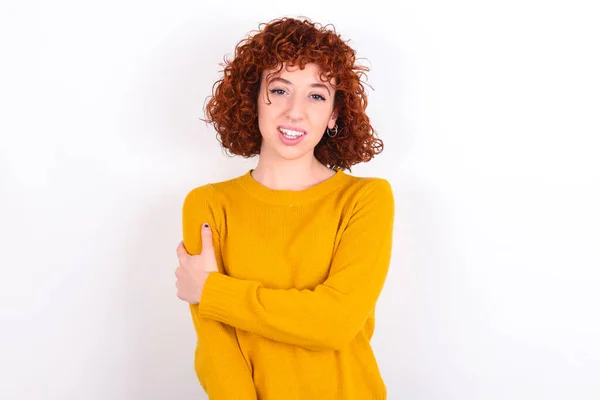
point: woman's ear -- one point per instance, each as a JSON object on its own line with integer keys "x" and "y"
{"x": 333, "y": 119}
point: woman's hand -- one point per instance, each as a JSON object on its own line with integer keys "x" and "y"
{"x": 193, "y": 270}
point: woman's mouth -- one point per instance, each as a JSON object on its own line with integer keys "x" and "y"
{"x": 291, "y": 136}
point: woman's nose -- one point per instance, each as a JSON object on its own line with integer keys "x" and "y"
{"x": 296, "y": 108}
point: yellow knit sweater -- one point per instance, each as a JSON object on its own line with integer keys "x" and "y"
{"x": 290, "y": 314}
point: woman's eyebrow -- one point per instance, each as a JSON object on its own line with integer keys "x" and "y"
{"x": 319, "y": 85}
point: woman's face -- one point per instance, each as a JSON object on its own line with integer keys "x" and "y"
{"x": 300, "y": 109}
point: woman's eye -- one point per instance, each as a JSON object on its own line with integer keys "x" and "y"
{"x": 278, "y": 91}
{"x": 318, "y": 97}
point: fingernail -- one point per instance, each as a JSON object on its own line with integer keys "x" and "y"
{"x": 205, "y": 226}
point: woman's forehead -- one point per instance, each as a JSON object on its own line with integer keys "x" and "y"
{"x": 310, "y": 71}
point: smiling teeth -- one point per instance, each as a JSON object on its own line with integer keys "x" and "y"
{"x": 291, "y": 134}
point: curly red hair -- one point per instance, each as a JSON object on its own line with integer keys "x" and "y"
{"x": 232, "y": 109}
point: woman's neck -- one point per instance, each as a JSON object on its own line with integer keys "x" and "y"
{"x": 291, "y": 175}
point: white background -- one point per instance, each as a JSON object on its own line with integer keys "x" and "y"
{"x": 489, "y": 112}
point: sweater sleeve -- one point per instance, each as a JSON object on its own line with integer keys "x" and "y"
{"x": 219, "y": 363}
{"x": 329, "y": 316}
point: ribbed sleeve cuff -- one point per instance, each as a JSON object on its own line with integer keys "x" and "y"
{"x": 224, "y": 297}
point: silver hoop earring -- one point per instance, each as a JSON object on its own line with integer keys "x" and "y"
{"x": 334, "y": 130}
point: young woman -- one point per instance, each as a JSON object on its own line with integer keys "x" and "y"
{"x": 283, "y": 266}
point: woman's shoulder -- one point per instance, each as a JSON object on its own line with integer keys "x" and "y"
{"x": 214, "y": 189}
{"x": 362, "y": 184}
{"x": 371, "y": 195}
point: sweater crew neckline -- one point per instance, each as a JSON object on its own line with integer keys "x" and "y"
{"x": 290, "y": 197}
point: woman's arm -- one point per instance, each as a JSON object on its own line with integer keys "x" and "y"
{"x": 219, "y": 363}
{"x": 329, "y": 316}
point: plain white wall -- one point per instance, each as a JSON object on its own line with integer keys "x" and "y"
{"x": 489, "y": 114}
